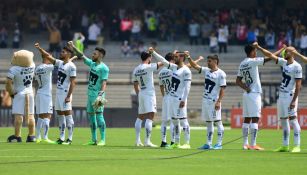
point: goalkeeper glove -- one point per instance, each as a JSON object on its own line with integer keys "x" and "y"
{"x": 100, "y": 101}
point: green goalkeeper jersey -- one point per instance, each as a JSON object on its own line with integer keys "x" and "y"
{"x": 98, "y": 73}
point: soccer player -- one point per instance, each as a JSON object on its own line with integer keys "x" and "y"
{"x": 288, "y": 99}
{"x": 248, "y": 71}
{"x": 43, "y": 98}
{"x": 179, "y": 91}
{"x": 214, "y": 87}
{"x": 67, "y": 73}
{"x": 19, "y": 85}
{"x": 99, "y": 73}
{"x": 144, "y": 88}
{"x": 165, "y": 78}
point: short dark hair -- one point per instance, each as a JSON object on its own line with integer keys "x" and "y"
{"x": 68, "y": 49}
{"x": 248, "y": 49}
{"x": 101, "y": 50}
{"x": 214, "y": 57}
{"x": 169, "y": 56}
{"x": 145, "y": 55}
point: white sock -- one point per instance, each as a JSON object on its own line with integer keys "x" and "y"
{"x": 39, "y": 125}
{"x": 286, "y": 131}
{"x": 245, "y": 129}
{"x": 186, "y": 130}
{"x": 70, "y": 126}
{"x": 138, "y": 127}
{"x": 148, "y": 128}
{"x": 254, "y": 131}
{"x": 220, "y": 132}
{"x": 210, "y": 132}
{"x": 176, "y": 123}
{"x": 62, "y": 126}
{"x": 163, "y": 130}
{"x": 172, "y": 133}
{"x": 46, "y": 127}
{"x": 296, "y": 132}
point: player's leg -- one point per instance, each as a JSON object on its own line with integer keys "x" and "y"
{"x": 164, "y": 122}
{"x": 70, "y": 125}
{"x": 296, "y": 128}
{"x": 67, "y": 108}
{"x": 255, "y": 113}
{"x": 92, "y": 119}
{"x": 186, "y": 130}
{"x": 246, "y": 121}
{"x": 46, "y": 126}
{"x": 205, "y": 114}
{"x": 138, "y": 127}
{"x": 150, "y": 109}
{"x": 176, "y": 124}
{"x": 220, "y": 128}
{"x": 174, "y": 108}
{"x": 148, "y": 128}
{"x": 102, "y": 128}
{"x": 59, "y": 107}
{"x": 40, "y": 119}
{"x": 220, "y": 134}
{"x": 172, "y": 133}
{"x": 282, "y": 112}
{"x": 139, "y": 120}
{"x": 29, "y": 117}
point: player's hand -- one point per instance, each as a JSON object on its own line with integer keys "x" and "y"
{"x": 292, "y": 105}
{"x": 218, "y": 105}
{"x": 175, "y": 51}
{"x": 182, "y": 104}
{"x": 200, "y": 58}
{"x": 255, "y": 44}
{"x": 248, "y": 90}
{"x": 151, "y": 50}
{"x": 290, "y": 49}
{"x": 186, "y": 54}
{"x": 70, "y": 43}
{"x": 67, "y": 99}
{"x": 36, "y": 45}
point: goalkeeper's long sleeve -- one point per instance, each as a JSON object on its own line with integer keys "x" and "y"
{"x": 187, "y": 84}
{"x": 160, "y": 58}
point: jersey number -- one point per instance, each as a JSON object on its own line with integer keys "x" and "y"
{"x": 209, "y": 85}
{"x": 142, "y": 82}
{"x": 247, "y": 77}
{"x": 286, "y": 80}
{"x": 175, "y": 84}
{"x": 167, "y": 85}
{"x": 61, "y": 77}
{"x": 93, "y": 79}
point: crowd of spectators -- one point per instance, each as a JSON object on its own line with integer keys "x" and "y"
{"x": 216, "y": 28}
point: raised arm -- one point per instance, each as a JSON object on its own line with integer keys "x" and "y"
{"x": 268, "y": 55}
{"x": 158, "y": 56}
{"x": 79, "y": 54}
{"x": 302, "y": 57}
{"x": 193, "y": 63}
{"x": 45, "y": 53}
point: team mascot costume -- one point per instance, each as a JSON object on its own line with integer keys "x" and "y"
{"x": 19, "y": 86}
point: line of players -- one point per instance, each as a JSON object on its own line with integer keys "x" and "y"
{"x": 175, "y": 81}
{"x": 19, "y": 84}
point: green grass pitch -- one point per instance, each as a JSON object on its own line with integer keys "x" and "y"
{"x": 121, "y": 157}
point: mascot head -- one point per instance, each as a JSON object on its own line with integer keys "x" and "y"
{"x": 23, "y": 58}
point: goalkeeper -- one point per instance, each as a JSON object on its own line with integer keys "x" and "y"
{"x": 97, "y": 83}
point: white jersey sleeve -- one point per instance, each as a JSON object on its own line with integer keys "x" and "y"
{"x": 222, "y": 79}
{"x": 73, "y": 70}
{"x": 298, "y": 74}
{"x": 204, "y": 70}
{"x": 258, "y": 61}
{"x": 281, "y": 61}
{"x": 154, "y": 67}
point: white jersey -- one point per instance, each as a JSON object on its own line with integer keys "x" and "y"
{"x": 165, "y": 79}
{"x": 22, "y": 78}
{"x": 290, "y": 72}
{"x": 179, "y": 77}
{"x": 248, "y": 70}
{"x": 143, "y": 74}
{"x": 43, "y": 76}
{"x": 213, "y": 82}
{"x": 65, "y": 72}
